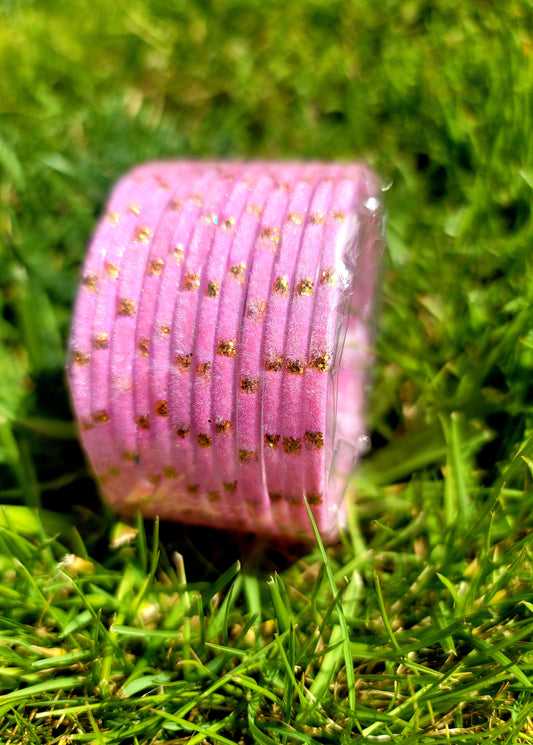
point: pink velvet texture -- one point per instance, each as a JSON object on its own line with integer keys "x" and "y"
{"x": 221, "y": 341}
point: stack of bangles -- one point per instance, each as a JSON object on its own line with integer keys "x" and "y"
{"x": 221, "y": 341}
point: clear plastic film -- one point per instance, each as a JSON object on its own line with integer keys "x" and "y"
{"x": 222, "y": 338}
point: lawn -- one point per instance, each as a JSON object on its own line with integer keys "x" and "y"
{"x": 418, "y": 626}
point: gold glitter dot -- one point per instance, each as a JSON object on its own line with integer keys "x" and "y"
{"x": 113, "y": 218}
{"x": 315, "y": 498}
{"x": 281, "y": 286}
{"x": 154, "y": 478}
{"x": 183, "y": 361}
{"x": 211, "y": 219}
{"x": 339, "y": 216}
{"x": 134, "y": 208}
{"x": 102, "y": 417}
{"x": 175, "y": 205}
{"x": 126, "y": 307}
{"x": 191, "y": 282}
{"x": 170, "y": 472}
{"x": 155, "y": 267}
{"x": 112, "y": 269}
{"x": 183, "y": 432}
{"x": 327, "y": 276}
{"x": 274, "y": 496}
{"x": 143, "y": 234}
{"x": 249, "y": 385}
{"x": 256, "y": 310}
{"x": 238, "y": 273}
{"x": 223, "y": 426}
{"x": 230, "y": 486}
{"x": 130, "y": 455}
{"x": 79, "y": 358}
{"x": 295, "y": 367}
{"x": 177, "y": 253}
{"x": 319, "y": 362}
{"x": 292, "y": 445}
{"x": 192, "y": 488}
{"x": 212, "y": 289}
{"x": 90, "y": 281}
{"x": 274, "y": 363}
{"x": 227, "y": 347}
{"x": 197, "y": 199}
{"x": 161, "y": 408}
{"x": 203, "y": 369}
{"x": 114, "y": 471}
{"x": 270, "y": 234}
{"x": 87, "y": 424}
{"x": 254, "y": 209}
{"x": 143, "y": 421}
{"x": 272, "y": 441}
{"x": 316, "y": 219}
{"x": 294, "y": 500}
{"x": 229, "y": 223}
{"x": 101, "y": 341}
{"x": 295, "y": 218}
{"x": 165, "y": 330}
{"x": 248, "y": 456}
{"x": 304, "y": 287}
{"x": 163, "y": 185}
{"x": 204, "y": 440}
{"x": 314, "y": 440}
{"x": 143, "y": 345}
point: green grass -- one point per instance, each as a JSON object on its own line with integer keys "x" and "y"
{"x": 418, "y": 627}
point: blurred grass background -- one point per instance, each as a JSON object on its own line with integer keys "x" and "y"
{"x": 437, "y": 96}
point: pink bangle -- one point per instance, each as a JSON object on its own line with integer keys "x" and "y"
{"x": 207, "y": 362}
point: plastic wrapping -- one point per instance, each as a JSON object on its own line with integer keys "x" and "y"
{"x": 221, "y": 341}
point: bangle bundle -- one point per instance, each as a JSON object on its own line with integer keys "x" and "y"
{"x": 221, "y": 341}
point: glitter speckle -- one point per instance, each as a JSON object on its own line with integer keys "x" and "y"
{"x": 192, "y": 488}
{"x": 203, "y": 369}
{"x": 126, "y": 307}
{"x": 314, "y": 440}
{"x": 274, "y": 363}
{"x": 143, "y": 421}
{"x": 197, "y": 199}
{"x": 112, "y": 270}
{"x": 238, "y": 273}
{"x": 134, "y": 208}
{"x": 256, "y": 310}
{"x": 143, "y": 345}
{"x": 101, "y": 416}
{"x": 229, "y": 223}
{"x": 249, "y": 385}
{"x": 101, "y": 341}
{"x": 165, "y": 329}
{"x": 281, "y": 286}
{"x": 316, "y": 219}
{"x": 319, "y": 362}
{"x": 183, "y": 432}
{"x": 339, "y": 216}
{"x": 177, "y": 253}
{"x": 212, "y": 289}
{"x": 295, "y": 367}
{"x": 230, "y": 486}
{"x": 227, "y": 347}
{"x": 90, "y": 281}
{"x": 170, "y": 472}
{"x": 183, "y": 361}
{"x": 79, "y": 358}
{"x": 191, "y": 282}
{"x": 295, "y": 218}
{"x": 248, "y": 456}
{"x": 211, "y": 219}
{"x": 154, "y": 479}
{"x": 87, "y": 424}
{"x": 155, "y": 267}
{"x": 176, "y": 205}
{"x": 327, "y": 277}
{"x": 223, "y": 426}
{"x": 272, "y": 441}
{"x": 270, "y": 234}
{"x": 315, "y": 498}
{"x": 213, "y": 496}
{"x": 161, "y": 408}
{"x": 143, "y": 234}
{"x": 254, "y": 209}
{"x": 204, "y": 440}
{"x": 304, "y": 287}
{"x": 130, "y": 455}
{"x": 113, "y": 218}
{"x": 292, "y": 445}
{"x": 274, "y": 496}
{"x": 295, "y": 500}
